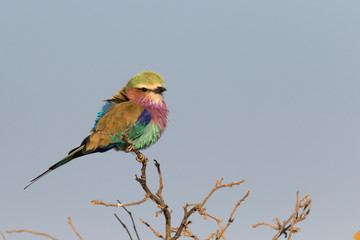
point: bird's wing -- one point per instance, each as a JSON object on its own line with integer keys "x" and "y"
{"x": 108, "y": 129}
{"x": 104, "y": 110}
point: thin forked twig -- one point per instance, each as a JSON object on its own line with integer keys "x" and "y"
{"x": 231, "y": 219}
{"x": 217, "y": 186}
{"x": 288, "y": 226}
{"x": 130, "y": 214}
{"x": 72, "y": 226}
{"x": 124, "y": 226}
{"x": 32, "y": 232}
{"x": 199, "y": 207}
{"x": 188, "y": 233}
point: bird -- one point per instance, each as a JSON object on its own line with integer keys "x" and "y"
{"x": 138, "y": 109}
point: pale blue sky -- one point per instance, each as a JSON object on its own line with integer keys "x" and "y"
{"x": 266, "y": 91}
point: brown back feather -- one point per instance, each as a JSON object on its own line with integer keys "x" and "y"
{"x": 119, "y": 97}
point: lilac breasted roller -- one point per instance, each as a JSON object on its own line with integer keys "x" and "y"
{"x": 138, "y": 108}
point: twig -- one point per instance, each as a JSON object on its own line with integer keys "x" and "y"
{"x": 212, "y": 235}
{"x": 188, "y": 233}
{"x": 137, "y": 235}
{"x": 288, "y": 226}
{"x": 72, "y": 226}
{"x": 35, "y": 233}
{"x": 123, "y": 224}
{"x": 231, "y": 219}
{"x": 265, "y": 224}
{"x": 153, "y": 230}
{"x": 161, "y": 186}
{"x": 98, "y": 202}
{"x": 206, "y": 215}
{"x": 199, "y": 208}
{"x": 217, "y": 186}
{"x": 159, "y": 201}
{"x": 2, "y": 235}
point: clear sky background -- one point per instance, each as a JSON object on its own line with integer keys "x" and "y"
{"x": 266, "y": 91}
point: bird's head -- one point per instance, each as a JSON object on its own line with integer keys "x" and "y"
{"x": 146, "y": 87}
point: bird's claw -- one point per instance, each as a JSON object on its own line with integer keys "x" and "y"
{"x": 129, "y": 148}
{"x": 141, "y": 158}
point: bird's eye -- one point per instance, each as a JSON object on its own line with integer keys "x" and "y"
{"x": 143, "y": 89}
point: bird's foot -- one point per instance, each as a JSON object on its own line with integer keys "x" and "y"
{"x": 141, "y": 158}
{"x": 129, "y": 148}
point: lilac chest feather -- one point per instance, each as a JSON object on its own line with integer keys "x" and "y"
{"x": 158, "y": 115}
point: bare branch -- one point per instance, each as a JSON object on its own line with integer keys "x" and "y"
{"x": 124, "y": 226}
{"x": 231, "y": 219}
{"x": 35, "y": 233}
{"x": 265, "y": 224}
{"x": 157, "y": 198}
{"x": 214, "y": 234}
{"x": 206, "y": 215}
{"x": 188, "y": 233}
{"x": 98, "y": 202}
{"x": 198, "y": 207}
{"x": 217, "y": 186}
{"x": 161, "y": 186}
{"x": 288, "y": 226}
{"x": 72, "y": 226}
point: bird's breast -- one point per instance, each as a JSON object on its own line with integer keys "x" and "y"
{"x": 151, "y": 134}
{"x": 159, "y": 115}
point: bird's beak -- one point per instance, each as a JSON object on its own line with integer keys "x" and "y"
{"x": 159, "y": 90}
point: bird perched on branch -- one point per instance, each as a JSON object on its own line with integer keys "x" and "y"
{"x": 138, "y": 109}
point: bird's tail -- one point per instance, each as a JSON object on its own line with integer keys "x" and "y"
{"x": 75, "y": 153}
